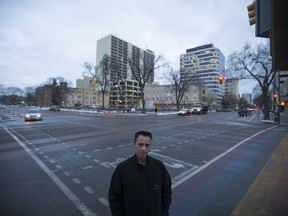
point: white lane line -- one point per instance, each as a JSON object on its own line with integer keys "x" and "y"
{"x": 76, "y": 180}
{"x": 172, "y": 159}
{"x": 69, "y": 194}
{"x": 104, "y": 201}
{"x": 217, "y": 158}
{"x": 88, "y": 167}
{"x": 155, "y": 150}
{"x": 105, "y": 164}
{"x": 67, "y": 173}
{"x": 58, "y": 167}
{"x": 52, "y": 161}
{"x": 89, "y": 190}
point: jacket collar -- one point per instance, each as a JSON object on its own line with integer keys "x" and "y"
{"x": 136, "y": 160}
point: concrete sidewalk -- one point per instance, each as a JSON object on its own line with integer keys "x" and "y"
{"x": 284, "y": 117}
{"x": 268, "y": 195}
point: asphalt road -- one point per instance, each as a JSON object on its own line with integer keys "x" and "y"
{"x": 62, "y": 165}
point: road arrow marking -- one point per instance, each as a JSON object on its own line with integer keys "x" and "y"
{"x": 175, "y": 165}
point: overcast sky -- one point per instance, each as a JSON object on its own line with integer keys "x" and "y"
{"x": 40, "y": 39}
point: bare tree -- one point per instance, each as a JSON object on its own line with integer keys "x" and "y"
{"x": 229, "y": 101}
{"x": 254, "y": 63}
{"x": 242, "y": 102}
{"x": 30, "y": 96}
{"x": 13, "y": 90}
{"x": 101, "y": 74}
{"x": 142, "y": 71}
{"x": 196, "y": 80}
{"x": 12, "y": 95}
{"x": 258, "y": 98}
{"x": 179, "y": 86}
{"x": 2, "y": 89}
{"x": 59, "y": 89}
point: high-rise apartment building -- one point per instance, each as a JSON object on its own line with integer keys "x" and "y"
{"x": 232, "y": 86}
{"x": 120, "y": 52}
{"x": 203, "y": 65}
{"x": 248, "y": 98}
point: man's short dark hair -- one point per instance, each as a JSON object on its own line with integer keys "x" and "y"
{"x": 143, "y": 133}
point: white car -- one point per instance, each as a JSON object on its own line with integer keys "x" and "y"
{"x": 33, "y": 114}
{"x": 184, "y": 112}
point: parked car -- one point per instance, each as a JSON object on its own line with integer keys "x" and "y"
{"x": 184, "y": 112}
{"x": 33, "y": 114}
{"x": 54, "y": 108}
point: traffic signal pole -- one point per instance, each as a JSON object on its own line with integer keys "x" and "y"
{"x": 276, "y": 97}
{"x": 278, "y": 90}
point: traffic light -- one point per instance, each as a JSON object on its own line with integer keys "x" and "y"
{"x": 95, "y": 82}
{"x": 282, "y": 106}
{"x": 221, "y": 80}
{"x": 252, "y": 13}
{"x": 275, "y": 96}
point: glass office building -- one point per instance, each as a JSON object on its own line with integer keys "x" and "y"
{"x": 203, "y": 65}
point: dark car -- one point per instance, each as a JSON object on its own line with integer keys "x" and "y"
{"x": 184, "y": 112}
{"x": 199, "y": 109}
{"x": 243, "y": 112}
{"x": 54, "y": 108}
{"x": 33, "y": 114}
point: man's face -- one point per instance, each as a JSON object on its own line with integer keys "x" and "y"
{"x": 142, "y": 146}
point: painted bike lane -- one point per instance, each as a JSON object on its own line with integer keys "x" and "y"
{"x": 217, "y": 188}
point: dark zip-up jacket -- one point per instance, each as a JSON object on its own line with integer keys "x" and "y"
{"x": 137, "y": 190}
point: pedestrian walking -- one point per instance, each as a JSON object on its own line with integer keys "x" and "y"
{"x": 155, "y": 110}
{"x": 140, "y": 185}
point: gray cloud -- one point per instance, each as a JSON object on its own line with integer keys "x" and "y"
{"x": 42, "y": 39}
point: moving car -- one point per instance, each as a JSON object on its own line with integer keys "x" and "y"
{"x": 243, "y": 112}
{"x": 33, "y": 114}
{"x": 54, "y": 108}
{"x": 184, "y": 112}
{"x": 199, "y": 109}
